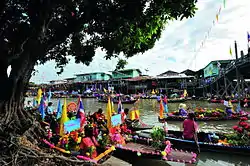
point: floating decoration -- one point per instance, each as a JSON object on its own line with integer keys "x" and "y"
{"x": 207, "y": 34}
{"x": 72, "y": 107}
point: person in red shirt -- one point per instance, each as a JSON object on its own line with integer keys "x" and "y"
{"x": 190, "y": 127}
{"x": 99, "y": 116}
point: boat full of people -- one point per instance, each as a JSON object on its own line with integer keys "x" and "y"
{"x": 234, "y": 142}
{"x": 95, "y": 137}
{"x": 205, "y": 114}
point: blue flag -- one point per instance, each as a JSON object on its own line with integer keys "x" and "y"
{"x": 41, "y": 108}
{"x": 59, "y": 110}
{"x": 120, "y": 109}
{"x": 49, "y": 95}
{"x": 238, "y": 108}
{"x": 34, "y": 102}
{"x": 80, "y": 111}
{"x": 165, "y": 105}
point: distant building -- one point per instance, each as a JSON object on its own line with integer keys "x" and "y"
{"x": 189, "y": 72}
{"x": 127, "y": 73}
{"x": 88, "y": 77}
{"x": 214, "y": 67}
{"x": 54, "y": 82}
{"x": 70, "y": 80}
{"x": 168, "y": 73}
{"x": 171, "y": 81}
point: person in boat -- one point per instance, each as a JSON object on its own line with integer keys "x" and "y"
{"x": 190, "y": 127}
{"x": 49, "y": 109}
{"x": 182, "y": 111}
{"x": 229, "y": 109}
{"x": 99, "y": 116}
{"x": 29, "y": 106}
{"x": 89, "y": 144}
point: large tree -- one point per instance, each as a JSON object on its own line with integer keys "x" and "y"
{"x": 36, "y": 31}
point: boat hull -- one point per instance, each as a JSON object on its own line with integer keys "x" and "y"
{"x": 175, "y": 137}
{"x": 175, "y": 101}
{"x": 116, "y": 102}
{"x": 181, "y": 118}
{"x": 131, "y": 151}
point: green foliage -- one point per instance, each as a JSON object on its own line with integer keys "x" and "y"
{"x": 103, "y": 141}
{"x": 121, "y": 64}
{"x": 158, "y": 136}
{"x": 39, "y": 31}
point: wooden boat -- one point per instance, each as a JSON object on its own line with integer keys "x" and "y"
{"x": 177, "y": 100}
{"x": 141, "y": 147}
{"x": 221, "y": 101}
{"x": 206, "y": 145}
{"x": 232, "y": 101}
{"x": 181, "y": 118}
{"x": 116, "y": 101}
{"x": 97, "y": 160}
{"x": 137, "y": 125}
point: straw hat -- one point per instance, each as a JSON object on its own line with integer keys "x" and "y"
{"x": 182, "y": 106}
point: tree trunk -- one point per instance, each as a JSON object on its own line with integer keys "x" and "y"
{"x": 13, "y": 118}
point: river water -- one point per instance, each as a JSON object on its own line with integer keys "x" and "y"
{"x": 149, "y": 109}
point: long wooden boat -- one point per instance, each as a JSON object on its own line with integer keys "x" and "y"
{"x": 178, "y": 100}
{"x": 232, "y": 101}
{"x": 116, "y": 101}
{"x": 204, "y": 141}
{"x": 97, "y": 160}
{"x": 138, "y": 125}
{"x": 148, "y": 97}
{"x": 221, "y": 101}
{"x": 141, "y": 147}
{"x": 182, "y": 118}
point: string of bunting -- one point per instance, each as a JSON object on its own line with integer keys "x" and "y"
{"x": 207, "y": 34}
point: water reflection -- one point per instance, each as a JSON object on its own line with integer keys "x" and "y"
{"x": 149, "y": 112}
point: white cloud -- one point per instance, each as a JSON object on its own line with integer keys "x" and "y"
{"x": 179, "y": 40}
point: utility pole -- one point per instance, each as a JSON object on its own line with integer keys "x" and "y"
{"x": 237, "y": 70}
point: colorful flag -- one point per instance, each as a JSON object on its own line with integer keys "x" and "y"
{"x": 238, "y": 108}
{"x": 161, "y": 109}
{"x": 39, "y": 95}
{"x": 165, "y": 105}
{"x": 59, "y": 110}
{"x": 34, "y": 102}
{"x": 109, "y": 113}
{"x": 64, "y": 117}
{"x": 80, "y": 113}
{"x": 42, "y": 108}
{"x": 230, "y": 51}
{"x": 49, "y": 95}
{"x": 120, "y": 109}
{"x": 248, "y": 37}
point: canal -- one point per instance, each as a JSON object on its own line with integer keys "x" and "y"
{"x": 149, "y": 109}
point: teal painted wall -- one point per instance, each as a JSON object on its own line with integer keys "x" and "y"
{"x": 211, "y": 70}
{"x": 125, "y": 74}
{"x": 93, "y": 77}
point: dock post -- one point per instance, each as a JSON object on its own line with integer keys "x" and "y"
{"x": 237, "y": 70}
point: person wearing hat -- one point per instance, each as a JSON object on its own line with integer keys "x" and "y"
{"x": 190, "y": 127}
{"x": 182, "y": 111}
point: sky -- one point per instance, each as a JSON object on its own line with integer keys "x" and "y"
{"x": 178, "y": 48}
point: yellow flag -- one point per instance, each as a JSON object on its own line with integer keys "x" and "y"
{"x": 109, "y": 113}
{"x": 112, "y": 107}
{"x": 230, "y": 51}
{"x": 64, "y": 117}
{"x": 161, "y": 109}
{"x": 39, "y": 95}
{"x": 217, "y": 17}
